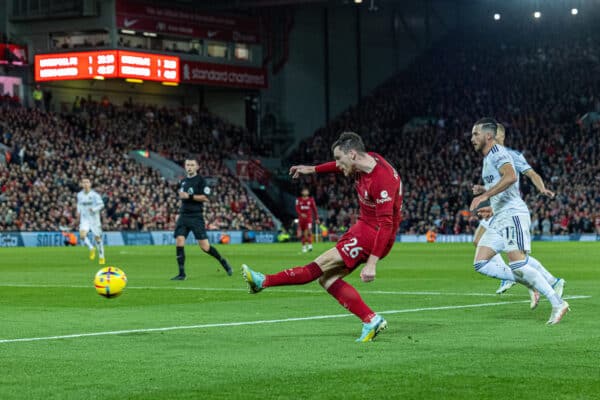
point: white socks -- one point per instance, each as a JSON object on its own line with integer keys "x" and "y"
{"x": 100, "y": 246}
{"x": 87, "y": 242}
{"x": 551, "y": 279}
{"x": 531, "y": 277}
{"x": 533, "y": 262}
{"x": 494, "y": 269}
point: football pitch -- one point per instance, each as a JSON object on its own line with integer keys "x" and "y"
{"x": 449, "y": 337}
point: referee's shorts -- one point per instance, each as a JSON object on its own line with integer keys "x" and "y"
{"x": 195, "y": 224}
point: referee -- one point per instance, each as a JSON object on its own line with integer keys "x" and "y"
{"x": 193, "y": 193}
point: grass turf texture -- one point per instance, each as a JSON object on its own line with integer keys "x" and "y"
{"x": 489, "y": 352}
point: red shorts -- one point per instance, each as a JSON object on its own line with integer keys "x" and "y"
{"x": 356, "y": 245}
{"x": 305, "y": 224}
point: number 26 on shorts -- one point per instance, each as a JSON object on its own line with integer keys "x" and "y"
{"x": 352, "y": 249}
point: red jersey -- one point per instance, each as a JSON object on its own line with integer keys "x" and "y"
{"x": 306, "y": 206}
{"x": 380, "y": 199}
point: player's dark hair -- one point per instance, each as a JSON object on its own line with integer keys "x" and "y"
{"x": 488, "y": 124}
{"x": 191, "y": 158}
{"x": 349, "y": 141}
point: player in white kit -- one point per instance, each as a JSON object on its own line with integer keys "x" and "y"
{"x": 89, "y": 205}
{"x": 511, "y": 219}
{"x": 521, "y": 167}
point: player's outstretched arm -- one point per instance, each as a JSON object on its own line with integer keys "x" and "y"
{"x": 297, "y": 170}
{"x": 538, "y": 182}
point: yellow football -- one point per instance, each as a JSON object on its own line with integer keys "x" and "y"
{"x": 110, "y": 282}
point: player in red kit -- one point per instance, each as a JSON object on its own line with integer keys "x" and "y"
{"x": 379, "y": 190}
{"x": 306, "y": 209}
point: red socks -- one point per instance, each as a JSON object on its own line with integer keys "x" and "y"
{"x": 345, "y": 294}
{"x": 294, "y": 276}
{"x": 349, "y": 298}
{"x": 308, "y": 240}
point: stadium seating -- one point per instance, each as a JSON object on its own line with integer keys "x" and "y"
{"x": 539, "y": 84}
{"x": 420, "y": 120}
{"x": 51, "y": 152}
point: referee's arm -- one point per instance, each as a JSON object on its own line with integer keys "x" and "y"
{"x": 201, "y": 198}
{"x": 195, "y": 197}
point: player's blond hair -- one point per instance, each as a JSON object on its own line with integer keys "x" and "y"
{"x": 500, "y": 134}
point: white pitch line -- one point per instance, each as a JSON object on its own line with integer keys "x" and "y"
{"x": 261, "y": 322}
{"x": 208, "y": 289}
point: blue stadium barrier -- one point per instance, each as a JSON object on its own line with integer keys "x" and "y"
{"x": 46, "y": 239}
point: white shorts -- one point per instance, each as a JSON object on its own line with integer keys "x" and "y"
{"x": 485, "y": 223}
{"x": 508, "y": 233}
{"x": 491, "y": 239}
{"x": 93, "y": 226}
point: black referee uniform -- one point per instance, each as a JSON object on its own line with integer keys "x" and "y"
{"x": 191, "y": 219}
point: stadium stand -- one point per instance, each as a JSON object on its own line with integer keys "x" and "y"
{"x": 538, "y": 83}
{"x": 541, "y": 89}
{"x": 49, "y": 153}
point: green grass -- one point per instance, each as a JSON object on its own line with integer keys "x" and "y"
{"x": 491, "y": 352}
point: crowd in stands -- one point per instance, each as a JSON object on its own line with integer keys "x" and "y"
{"x": 541, "y": 80}
{"x": 49, "y": 153}
{"x": 8, "y": 100}
{"x": 538, "y": 80}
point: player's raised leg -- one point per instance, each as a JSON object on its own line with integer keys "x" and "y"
{"x": 485, "y": 264}
{"x": 253, "y": 279}
{"x": 292, "y": 276}
{"x": 487, "y": 259}
{"x": 329, "y": 268}
{"x": 496, "y": 243}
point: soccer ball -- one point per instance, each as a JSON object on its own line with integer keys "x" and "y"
{"x": 110, "y": 282}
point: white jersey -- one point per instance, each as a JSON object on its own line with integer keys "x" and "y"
{"x": 89, "y": 206}
{"x": 519, "y": 161}
{"x": 510, "y": 199}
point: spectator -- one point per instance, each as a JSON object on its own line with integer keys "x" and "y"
{"x": 53, "y": 151}
{"x": 37, "y": 96}
{"x": 418, "y": 121}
